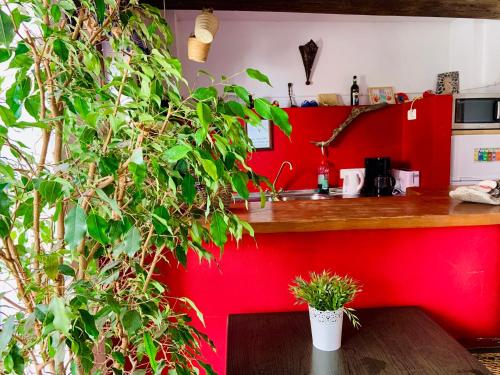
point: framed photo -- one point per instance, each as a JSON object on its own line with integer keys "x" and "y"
{"x": 381, "y": 95}
{"x": 448, "y": 83}
{"x": 261, "y": 135}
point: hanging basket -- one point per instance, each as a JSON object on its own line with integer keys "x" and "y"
{"x": 206, "y": 26}
{"x": 197, "y": 51}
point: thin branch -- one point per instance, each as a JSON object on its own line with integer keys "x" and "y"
{"x": 355, "y": 112}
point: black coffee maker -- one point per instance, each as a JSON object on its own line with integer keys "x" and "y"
{"x": 378, "y": 178}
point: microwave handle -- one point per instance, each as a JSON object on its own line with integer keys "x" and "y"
{"x": 497, "y": 110}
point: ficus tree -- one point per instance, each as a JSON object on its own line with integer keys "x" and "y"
{"x": 132, "y": 166}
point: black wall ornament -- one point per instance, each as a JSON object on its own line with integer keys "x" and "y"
{"x": 308, "y": 52}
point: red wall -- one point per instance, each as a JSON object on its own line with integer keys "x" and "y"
{"x": 422, "y": 144}
{"x": 452, "y": 273}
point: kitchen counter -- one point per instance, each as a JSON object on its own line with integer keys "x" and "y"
{"x": 423, "y": 249}
{"x": 421, "y": 209}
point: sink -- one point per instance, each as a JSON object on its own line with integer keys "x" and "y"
{"x": 293, "y": 195}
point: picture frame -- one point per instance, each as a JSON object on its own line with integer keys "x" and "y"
{"x": 379, "y": 95}
{"x": 448, "y": 83}
{"x": 261, "y": 135}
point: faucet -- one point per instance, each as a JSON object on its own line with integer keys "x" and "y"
{"x": 274, "y": 193}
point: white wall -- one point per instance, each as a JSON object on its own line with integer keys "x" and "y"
{"x": 404, "y": 52}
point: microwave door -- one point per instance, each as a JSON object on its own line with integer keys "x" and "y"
{"x": 477, "y": 113}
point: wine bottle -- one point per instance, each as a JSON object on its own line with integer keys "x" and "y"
{"x": 323, "y": 174}
{"x": 355, "y": 91}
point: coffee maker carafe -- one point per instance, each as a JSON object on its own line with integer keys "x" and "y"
{"x": 378, "y": 177}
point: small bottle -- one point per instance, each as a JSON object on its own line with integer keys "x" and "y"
{"x": 323, "y": 174}
{"x": 355, "y": 91}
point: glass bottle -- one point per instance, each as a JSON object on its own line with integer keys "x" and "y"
{"x": 355, "y": 91}
{"x": 323, "y": 173}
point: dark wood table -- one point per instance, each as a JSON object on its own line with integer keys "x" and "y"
{"x": 400, "y": 340}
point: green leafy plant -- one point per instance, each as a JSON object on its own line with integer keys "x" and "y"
{"x": 327, "y": 292}
{"x": 128, "y": 175}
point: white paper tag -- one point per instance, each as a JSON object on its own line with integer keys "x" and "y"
{"x": 412, "y": 114}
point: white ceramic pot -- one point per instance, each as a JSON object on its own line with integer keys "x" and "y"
{"x": 206, "y": 26}
{"x": 326, "y": 328}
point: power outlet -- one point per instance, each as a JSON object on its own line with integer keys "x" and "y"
{"x": 412, "y": 114}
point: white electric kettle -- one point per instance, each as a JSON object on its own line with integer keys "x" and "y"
{"x": 353, "y": 180}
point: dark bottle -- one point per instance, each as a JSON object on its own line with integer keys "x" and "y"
{"x": 323, "y": 174}
{"x": 250, "y": 101}
{"x": 355, "y": 91}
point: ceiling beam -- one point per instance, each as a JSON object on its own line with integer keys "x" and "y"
{"x": 488, "y": 9}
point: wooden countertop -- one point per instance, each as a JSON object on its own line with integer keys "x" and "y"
{"x": 418, "y": 210}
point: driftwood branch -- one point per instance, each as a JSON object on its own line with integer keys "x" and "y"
{"x": 355, "y": 112}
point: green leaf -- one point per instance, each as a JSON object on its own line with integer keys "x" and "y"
{"x": 66, "y": 270}
{"x": 8, "y": 329}
{"x": 204, "y": 93}
{"x": 257, "y": 75}
{"x": 218, "y": 229}
{"x": 176, "y": 153}
{"x": 118, "y": 357}
{"x": 236, "y": 108}
{"x": 131, "y": 321}
{"x": 17, "y": 360}
{"x": 242, "y": 93}
{"x": 240, "y": 181}
{"x": 209, "y": 167}
{"x": 181, "y": 255}
{"x": 67, "y": 5}
{"x": 195, "y": 308}
{"x": 4, "y": 55}
{"x": 6, "y": 29}
{"x": 32, "y": 106}
{"x": 208, "y": 369}
{"x": 18, "y": 17}
{"x": 8, "y": 364}
{"x": 55, "y": 12}
{"x": 110, "y": 201}
{"x": 263, "y": 108}
{"x": 280, "y": 118}
{"x": 50, "y": 266}
{"x": 24, "y": 62}
{"x": 89, "y": 324}
{"x": 62, "y": 321}
{"x": 100, "y": 9}
{"x": 151, "y": 350}
{"x": 188, "y": 188}
{"x": 61, "y": 50}
{"x": 131, "y": 241}
{"x": 160, "y": 218}
{"x": 253, "y": 119}
{"x": 137, "y": 167}
{"x": 4, "y": 226}
{"x": 21, "y": 48}
{"x": 97, "y": 228}
{"x": 76, "y": 227}
{"x": 204, "y": 114}
{"x": 7, "y": 116}
{"x": 50, "y": 191}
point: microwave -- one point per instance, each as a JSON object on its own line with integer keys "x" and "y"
{"x": 476, "y": 111}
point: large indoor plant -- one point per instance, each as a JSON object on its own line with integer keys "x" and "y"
{"x": 326, "y": 295}
{"x": 127, "y": 171}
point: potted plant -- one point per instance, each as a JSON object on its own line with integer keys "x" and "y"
{"x": 127, "y": 172}
{"x": 326, "y": 295}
